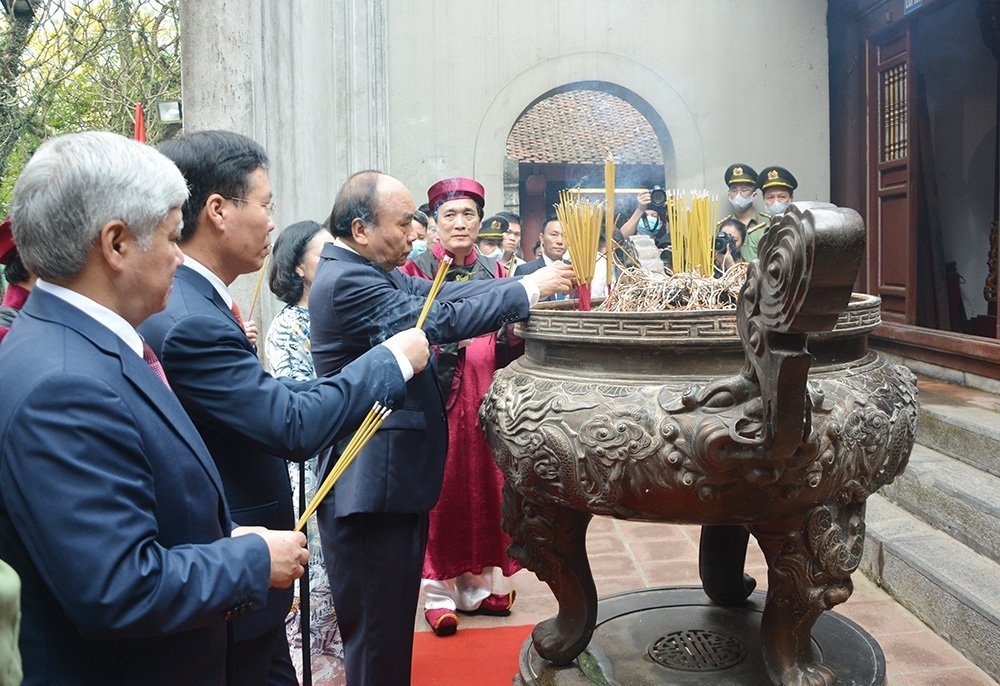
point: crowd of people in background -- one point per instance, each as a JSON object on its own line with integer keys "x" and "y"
{"x": 132, "y": 349}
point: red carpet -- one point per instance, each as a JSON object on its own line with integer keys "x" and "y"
{"x": 472, "y": 657}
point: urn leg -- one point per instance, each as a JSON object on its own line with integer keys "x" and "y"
{"x": 809, "y": 570}
{"x": 550, "y": 540}
{"x": 722, "y": 554}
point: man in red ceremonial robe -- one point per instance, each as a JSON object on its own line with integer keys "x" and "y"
{"x": 466, "y": 561}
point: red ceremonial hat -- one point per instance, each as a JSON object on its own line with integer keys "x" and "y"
{"x": 7, "y": 247}
{"x": 457, "y": 187}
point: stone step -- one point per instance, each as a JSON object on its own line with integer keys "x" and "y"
{"x": 961, "y": 422}
{"x": 952, "y": 588}
{"x": 952, "y": 496}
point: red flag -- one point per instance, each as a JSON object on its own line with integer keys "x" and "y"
{"x": 140, "y": 124}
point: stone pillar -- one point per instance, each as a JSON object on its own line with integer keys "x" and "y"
{"x": 306, "y": 79}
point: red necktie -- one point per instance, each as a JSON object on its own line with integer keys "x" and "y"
{"x": 236, "y": 313}
{"x": 150, "y": 357}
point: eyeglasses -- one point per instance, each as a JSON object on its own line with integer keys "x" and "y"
{"x": 268, "y": 206}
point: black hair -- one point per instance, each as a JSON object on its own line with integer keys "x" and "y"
{"x": 286, "y": 255}
{"x": 356, "y": 199}
{"x": 421, "y": 217}
{"x": 550, "y": 217}
{"x": 735, "y": 223}
{"x": 511, "y": 217}
{"x": 213, "y": 162}
{"x": 15, "y": 271}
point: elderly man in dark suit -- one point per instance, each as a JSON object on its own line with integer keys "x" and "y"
{"x": 374, "y": 523}
{"x": 111, "y": 509}
{"x": 250, "y": 420}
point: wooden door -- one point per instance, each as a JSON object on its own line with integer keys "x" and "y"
{"x": 892, "y": 170}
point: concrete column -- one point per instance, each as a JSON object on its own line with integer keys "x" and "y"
{"x": 306, "y": 79}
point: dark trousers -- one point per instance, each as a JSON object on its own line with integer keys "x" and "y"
{"x": 263, "y": 661}
{"x": 374, "y": 562}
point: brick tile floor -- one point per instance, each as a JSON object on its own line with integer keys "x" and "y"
{"x": 626, "y": 556}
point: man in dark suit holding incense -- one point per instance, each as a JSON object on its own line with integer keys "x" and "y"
{"x": 374, "y": 522}
{"x": 111, "y": 509}
{"x": 251, "y": 421}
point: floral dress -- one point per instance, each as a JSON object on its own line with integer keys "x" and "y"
{"x": 288, "y": 353}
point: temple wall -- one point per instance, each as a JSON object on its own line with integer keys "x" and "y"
{"x": 425, "y": 89}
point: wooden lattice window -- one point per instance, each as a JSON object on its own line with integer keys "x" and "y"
{"x": 894, "y": 113}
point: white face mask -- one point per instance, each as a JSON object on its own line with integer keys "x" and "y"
{"x": 776, "y": 207}
{"x": 418, "y": 246}
{"x": 741, "y": 202}
{"x": 496, "y": 254}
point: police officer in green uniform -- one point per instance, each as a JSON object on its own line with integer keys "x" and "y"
{"x": 742, "y": 181}
{"x": 490, "y": 240}
{"x": 777, "y": 185}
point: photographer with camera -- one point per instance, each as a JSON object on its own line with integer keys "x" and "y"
{"x": 728, "y": 245}
{"x": 650, "y": 217}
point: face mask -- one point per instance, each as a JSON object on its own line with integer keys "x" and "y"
{"x": 741, "y": 202}
{"x": 776, "y": 207}
{"x": 417, "y": 247}
{"x": 649, "y": 229}
{"x": 496, "y": 254}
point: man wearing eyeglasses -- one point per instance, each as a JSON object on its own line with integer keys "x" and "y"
{"x": 251, "y": 421}
{"x": 742, "y": 181}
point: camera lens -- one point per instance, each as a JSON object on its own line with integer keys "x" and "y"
{"x": 722, "y": 240}
{"x": 657, "y": 197}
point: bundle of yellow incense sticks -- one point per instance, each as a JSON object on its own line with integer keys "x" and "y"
{"x": 581, "y": 223}
{"x": 435, "y": 287}
{"x": 368, "y": 427}
{"x": 692, "y": 231}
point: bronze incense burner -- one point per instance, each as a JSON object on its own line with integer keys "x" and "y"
{"x": 774, "y": 416}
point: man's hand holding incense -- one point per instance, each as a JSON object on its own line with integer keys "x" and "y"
{"x": 556, "y": 278}
{"x": 413, "y": 344}
{"x": 288, "y": 553}
{"x": 250, "y": 329}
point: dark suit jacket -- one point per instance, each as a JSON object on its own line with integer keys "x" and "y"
{"x": 249, "y": 419}
{"x": 529, "y": 267}
{"x": 353, "y": 305}
{"x": 112, "y": 512}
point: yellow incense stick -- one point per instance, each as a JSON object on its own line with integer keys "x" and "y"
{"x": 609, "y": 205}
{"x": 368, "y": 427}
{"x": 347, "y": 458}
{"x": 435, "y": 287}
{"x": 256, "y": 290}
{"x": 581, "y": 225}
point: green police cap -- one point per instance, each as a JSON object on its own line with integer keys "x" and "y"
{"x": 494, "y": 228}
{"x": 740, "y": 173}
{"x": 772, "y": 177}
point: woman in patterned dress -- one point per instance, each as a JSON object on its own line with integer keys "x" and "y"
{"x": 287, "y": 351}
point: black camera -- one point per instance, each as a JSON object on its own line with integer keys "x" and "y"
{"x": 657, "y": 197}
{"x": 723, "y": 241}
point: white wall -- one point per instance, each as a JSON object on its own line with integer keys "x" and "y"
{"x": 459, "y": 79}
{"x": 426, "y": 89}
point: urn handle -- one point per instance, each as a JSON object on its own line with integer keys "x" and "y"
{"x": 800, "y": 283}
